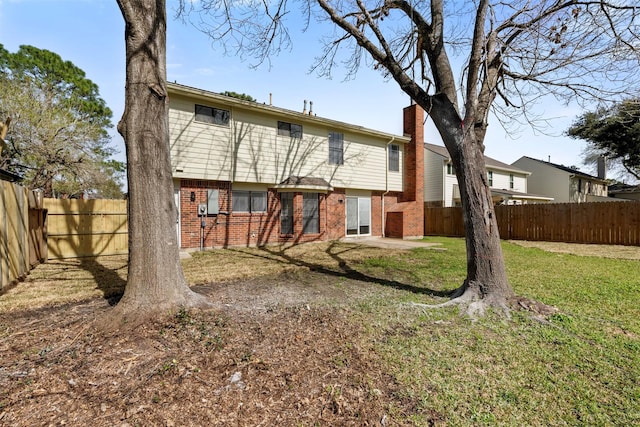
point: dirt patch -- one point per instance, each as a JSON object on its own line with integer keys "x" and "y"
{"x": 280, "y": 349}
{"x": 603, "y": 251}
{"x": 80, "y": 279}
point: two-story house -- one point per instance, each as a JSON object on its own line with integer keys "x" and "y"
{"x": 564, "y": 184}
{"x": 249, "y": 174}
{"x": 508, "y": 183}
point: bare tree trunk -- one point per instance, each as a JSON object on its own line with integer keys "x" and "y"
{"x": 486, "y": 275}
{"x": 155, "y": 280}
{"x": 486, "y": 283}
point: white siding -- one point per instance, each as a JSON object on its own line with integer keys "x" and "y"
{"x": 249, "y": 150}
{"x": 501, "y": 180}
{"x": 520, "y": 183}
{"x": 192, "y": 143}
{"x": 434, "y": 170}
{"x": 450, "y": 182}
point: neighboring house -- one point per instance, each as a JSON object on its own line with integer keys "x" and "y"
{"x": 624, "y": 191}
{"x": 564, "y": 184}
{"x": 252, "y": 174}
{"x": 508, "y": 183}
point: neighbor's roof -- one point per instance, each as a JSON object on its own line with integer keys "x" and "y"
{"x": 519, "y": 195}
{"x": 621, "y": 188}
{"x": 489, "y": 162}
{"x": 565, "y": 169}
{"x": 510, "y": 194}
{"x": 205, "y": 95}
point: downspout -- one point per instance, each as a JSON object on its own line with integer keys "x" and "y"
{"x": 386, "y": 183}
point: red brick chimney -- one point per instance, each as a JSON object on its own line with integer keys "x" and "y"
{"x": 405, "y": 210}
{"x": 413, "y": 125}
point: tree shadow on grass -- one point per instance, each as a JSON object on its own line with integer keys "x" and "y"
{"x": 335, "y": 250}
{"x": 106, "y": 278}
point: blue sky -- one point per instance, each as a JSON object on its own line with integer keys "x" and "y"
{"x": 90, "y": 33}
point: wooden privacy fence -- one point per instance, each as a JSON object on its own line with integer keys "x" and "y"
{"x": 612, "y": 223}
{"x": 14, "y": 232}
{"x": 78, "y": 228}
{"x": 22, "y": 243}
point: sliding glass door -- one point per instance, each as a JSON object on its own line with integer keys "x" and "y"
{"x": 358, "y": 216}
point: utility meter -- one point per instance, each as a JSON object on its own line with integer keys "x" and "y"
{"x": 202, "y": 209}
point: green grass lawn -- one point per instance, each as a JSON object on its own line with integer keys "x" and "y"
{"x": 582, "y": 368}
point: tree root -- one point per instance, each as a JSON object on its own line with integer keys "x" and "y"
{"x": 473, "y": 306}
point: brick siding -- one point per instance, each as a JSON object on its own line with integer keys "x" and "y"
{"x": 251, "y": 228}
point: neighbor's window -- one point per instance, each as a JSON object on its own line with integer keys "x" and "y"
{"x": 216, "y": 116}
{"x": 290, "y": 129}
{"x": 490, "y": 176}
{"x": 394, "y": 158}
{"x": 511, "y": 181}
{"x": 450, "y": 169}
{"x": 336, "y": 147}
{"x": 249, "y": 201}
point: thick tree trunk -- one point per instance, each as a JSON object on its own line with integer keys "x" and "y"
{"x": 486, "y": 275}
{"x": 155, "y": 280}
{"x": 486, "y": 283}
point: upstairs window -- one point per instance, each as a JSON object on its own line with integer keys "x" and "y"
{"x": 215, "y": 116}
{"x": 490, "y": 176}
{"x": 249, "y": 201}
{"x": 336, "y": 148}
{"x": 291, "y": 130}
{"x": 450, "y": 169}
{"x": 511, "y": 183}
{"x": 394, "y": 158}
